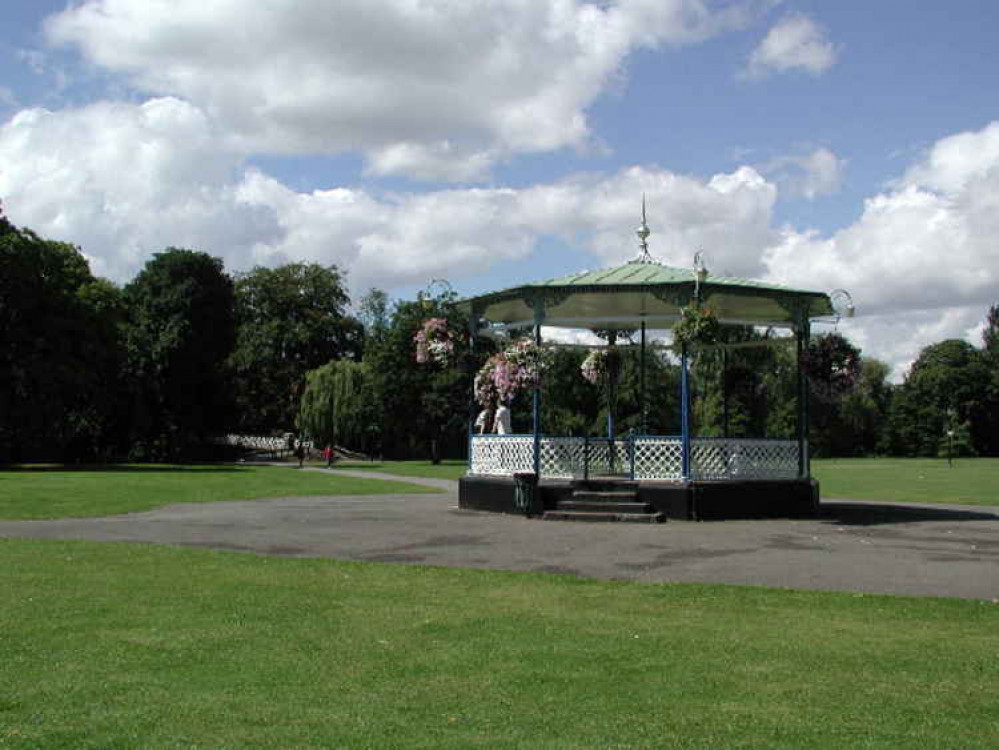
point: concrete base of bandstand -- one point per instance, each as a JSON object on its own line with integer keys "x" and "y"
{"x": 681, "y": 501}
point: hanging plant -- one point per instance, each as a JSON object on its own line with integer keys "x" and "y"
{"x": 434, "y": 342}
{"x": 517, "y": 369}
{"x": 696, "y": 326}
{"x": 599, "y": 364}
{"x": 594, "y": 367}
{"x": 486, "y": 393}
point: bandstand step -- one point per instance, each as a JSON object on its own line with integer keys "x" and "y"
{"x": 604, "y": 499}
{"x": 573, "y": 515}
{"x": 605, "y": 496}
{"x": 597, "y": 506}
{"x": 605, "y": 485}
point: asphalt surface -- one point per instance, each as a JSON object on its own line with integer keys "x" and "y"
{"x": 850, "y": 546}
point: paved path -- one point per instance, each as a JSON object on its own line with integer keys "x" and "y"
{"x": 851, "y": 546}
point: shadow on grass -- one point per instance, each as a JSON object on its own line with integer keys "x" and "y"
{"x": 122, "y": 468}
{"x": 873, "y": 514}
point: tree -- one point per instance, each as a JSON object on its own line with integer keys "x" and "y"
{"x": 59, "y": 350}
{"x": 832, "y": 366}
{"x": 987, "y": 432}
{"x": 5, "y": 226}
{"x": 569, "y": 404}
{"x": 950, "y": 375}
{"x": 990, "y": 336}
{"x": 862, "y": 419}
{"x": 290, "y": 320}
{"x": 179, "y": 334}
{"x": 425, "y": 406}
{"x": 373, "y": 312}
{"x": 746, "y": 389}
{"x": 339, "y": 406}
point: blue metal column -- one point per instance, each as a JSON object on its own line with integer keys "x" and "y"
{"x": 612, "y": 375}
{"x": 643, "y": 409}
{"x": 684, "y": 416}
{"x": 804, "y": 463}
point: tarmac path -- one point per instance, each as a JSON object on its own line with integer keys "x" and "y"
{"x": 923, "y": 550}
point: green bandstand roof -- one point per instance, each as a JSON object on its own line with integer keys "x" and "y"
{"x": 639, "y": 291}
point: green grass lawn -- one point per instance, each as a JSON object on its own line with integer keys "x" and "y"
{"x": 971, "y": 481}
{"x": 128, "y": 646}
{"x": 55, "y": 493}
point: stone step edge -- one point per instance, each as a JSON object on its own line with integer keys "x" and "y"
{"x": 602, "y": 495}
{"x": 606, "y": 507}
{"x": 568, "y": 515}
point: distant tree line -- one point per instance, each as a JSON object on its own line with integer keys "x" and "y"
{"x": 155, "y": 369}
{"x": 185, "y": 352}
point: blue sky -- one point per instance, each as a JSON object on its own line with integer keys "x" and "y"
{"x": 826, "y": 145}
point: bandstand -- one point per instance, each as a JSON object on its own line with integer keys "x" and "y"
{"x": 637, "y": 476}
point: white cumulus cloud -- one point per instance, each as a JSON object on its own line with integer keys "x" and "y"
{"x": 819, "y": 172}
{"x": 122, "y": 180}
{"x": 921, "y": 260}
{"x": 125, "y": 180}
{"x": 433, "y": 89}
{"x": 794, "y": 43}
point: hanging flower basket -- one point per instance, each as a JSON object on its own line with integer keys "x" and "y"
{"x": 696, "y": 326}
{"x": 517, "y": 369}
{"x": 486, "y": 393}
{"x": 434, "y": 342}
{"x": 599, "y": 364}
{"x": 594, "y": 367}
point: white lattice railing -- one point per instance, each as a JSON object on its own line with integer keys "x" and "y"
{"x": 502, "y": 455}
{"x": 659, "y": 458}
{"x": 742, "y": 458}
{"x": 562, "y": 457}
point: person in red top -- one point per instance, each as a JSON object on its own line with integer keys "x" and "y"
{"x": 328, "y": 455}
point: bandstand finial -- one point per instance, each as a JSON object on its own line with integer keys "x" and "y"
{"x": 643, "y": 233}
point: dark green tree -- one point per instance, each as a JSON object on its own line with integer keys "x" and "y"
{"x": 745, "y": 386}
{"x": 986, "y": 434}
{"x": 832, "y": 365}
{"x": 179, "y": 334}
{"x": 570, "y": 405}
{"x": 425, "y": 406}
{"x": 290, "y": 320}
{"x": 946, "y": 385}
{"x": 861, "y": 424}
{"x": 59, "y": 351}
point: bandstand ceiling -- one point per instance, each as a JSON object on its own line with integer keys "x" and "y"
{"x": 626, "y": 295}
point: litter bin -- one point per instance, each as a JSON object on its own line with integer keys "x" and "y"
{"x": 525, "y": 485}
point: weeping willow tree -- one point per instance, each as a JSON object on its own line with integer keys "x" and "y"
{"x": 338, "y": 406}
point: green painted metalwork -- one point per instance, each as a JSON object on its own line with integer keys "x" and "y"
{"x": 633, "y": 291}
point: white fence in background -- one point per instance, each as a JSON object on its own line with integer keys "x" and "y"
{"x": 262, "y": 442}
